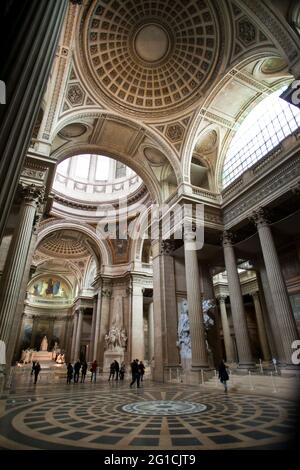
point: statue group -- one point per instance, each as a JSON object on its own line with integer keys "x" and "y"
{"x": 115, "y": 338}
{"x": 183, "y": 332}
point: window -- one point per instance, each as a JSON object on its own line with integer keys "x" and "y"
{"x": 264, "y": 128}
{"x": 102, "y": 168}
{"x": 120, "y": 170}
{"x": 82, "y": 166}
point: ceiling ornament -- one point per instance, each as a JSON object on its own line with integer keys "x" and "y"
{"x": 149, "y": 57}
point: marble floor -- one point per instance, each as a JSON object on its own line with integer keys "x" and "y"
{"x": 111, "y": 415}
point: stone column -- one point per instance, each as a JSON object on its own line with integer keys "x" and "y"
{"x": 263, "y": 283}
{"x": 282, "y": 307}
{"x": 213, "y": 332}
{"x": 151, "y": 331}
{"x": 159, "y": 320}
{"x": 26, "y": 58}
{"x": 226, "y": 330}
{"x": 78, "y": 334}
{"x": 11, "y": 281}
{"x": 105, "y": 300}
{"x": 137, "y": 321}
{"x": 75, "y": 322}
{"x": 169, "y": 303}
{"x": 237, "y": 306}
{"x": 262, "y": 334}
{"x": 194, "y": 298}
{"x": 97, "y": 326}
{"x": 92, "y": 335}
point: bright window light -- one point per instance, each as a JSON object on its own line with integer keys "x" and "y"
{"x": 264, "y": 128}
{"x": 63, "y": 167}
{"x": 82, "y": 166}
{"x": 102, "y": 168}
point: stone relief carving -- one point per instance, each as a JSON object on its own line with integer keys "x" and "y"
{"x": 75, "y": 94}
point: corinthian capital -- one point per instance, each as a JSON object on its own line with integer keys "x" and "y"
{"x": 32, "y": 193}
{"x": 167, "y": 247}
{"x": 259, "y": 217}
{"x": 227, "y": 238}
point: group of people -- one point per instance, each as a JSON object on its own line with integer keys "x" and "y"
{"x": 137, "y": 371}
{"x": 73, "y": 372}
{"x": 116, "y": 372}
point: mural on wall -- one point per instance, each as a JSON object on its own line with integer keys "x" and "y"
{"x": 48, "y": 288}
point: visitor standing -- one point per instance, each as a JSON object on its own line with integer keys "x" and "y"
{"x": 94, "y": 371}
{"x": 111, "y": 371}
{"x": 77, "y": 368}
{"x": 69, "y": 373}
{"x": 83, "y": 371}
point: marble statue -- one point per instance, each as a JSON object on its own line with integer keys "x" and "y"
{"x": 184, "y": 338}
{"x": 115, "y": 338}
{"x": 44, "y": 344}
{"x": 123, "y": 338}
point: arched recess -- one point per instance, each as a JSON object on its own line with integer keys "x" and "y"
{"x": 102, "y": 252}
{"x": 116, "y": 137}
{"x": 240, "y": 77}
{"x": 77, "y": 149}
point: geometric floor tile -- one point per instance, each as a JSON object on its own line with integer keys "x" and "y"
{"x": 154, "y": 417}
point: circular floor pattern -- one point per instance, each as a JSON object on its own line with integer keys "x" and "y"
{"x": 91, "y": 416}
{"x": 164, "y": 408}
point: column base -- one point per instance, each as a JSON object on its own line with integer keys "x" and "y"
{"x": 246, "y": 365}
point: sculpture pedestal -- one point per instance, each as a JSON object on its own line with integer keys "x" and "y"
{"x": 116, "y": 354}
{"x": 41, "y": 356}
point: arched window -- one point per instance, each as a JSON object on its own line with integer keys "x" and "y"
{"x": 264, "y": 128}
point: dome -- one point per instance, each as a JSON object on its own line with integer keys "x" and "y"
{"x": 149, "y": 57}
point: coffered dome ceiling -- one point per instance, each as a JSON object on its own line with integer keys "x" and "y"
{"x": 66, "y": 243}
{"x": 149, "y": 57}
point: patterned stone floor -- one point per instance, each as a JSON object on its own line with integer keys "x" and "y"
{"x": 113, "y": 416}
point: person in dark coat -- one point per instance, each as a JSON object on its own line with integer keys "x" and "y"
{"x": 77, "y": 367}
{"x": 111, "y": 371}
{"x": 141, "y": 370}
{"x": 37, "y": 369}
{"x": 223, "y": 375}
{"x": 33, "y": 366}
{"x": 117, "y": 369}
{"x": 94, "y": 371}
{"x": 122, "y": 371}
{"x": 135, "y": 373}
{"x": 83, "y": 371}
{"x": 69, "y": 373}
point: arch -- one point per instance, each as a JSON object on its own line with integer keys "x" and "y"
{"x": 143, "y": 132}
{"x": 206, "y": 112}
{"x": 83, "y": 148}
{"x": 54, "y": 225}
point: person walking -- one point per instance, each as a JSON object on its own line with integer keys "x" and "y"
{"x": 37, "y": 369}
{"x": 33, "y": 366}
{"x": 112, "y": 371}
{"x": 122, "y": 371}
{"x": 83, "y": 371}
{"x": 69, "y": 373}
{"x": 94, "y": 370}
{"x": 135, "y": 373}
{"x": 141, "y": 370}
{"x": 223, "y": 375}
{"x": 117, "y": 369}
